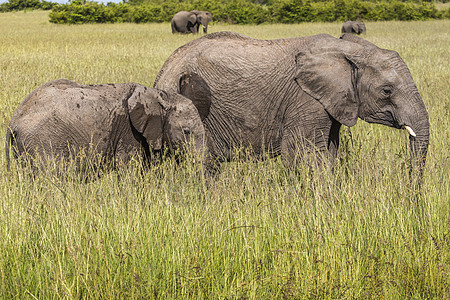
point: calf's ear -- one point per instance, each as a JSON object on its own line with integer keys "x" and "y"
{"x": 195, "y": 88}
{"x": 146, "y": 111}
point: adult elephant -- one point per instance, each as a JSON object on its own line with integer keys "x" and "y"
{"x": 286, "y": 96}
{"x": 353, "y": 27}
{"x": 109, "y": 122}
{"x": 190, "y": 21}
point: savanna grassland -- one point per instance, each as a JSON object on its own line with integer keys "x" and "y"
{"x": 259, "y": 230}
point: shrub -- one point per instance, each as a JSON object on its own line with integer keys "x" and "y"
{"x": 245, "y": 11}
{"x": 324, "y": 11}
{"x": 295, "y": 11}
{"x": 15, "y": 5}
{"x": 445, "y": 14}
{"x": 89, "y": 12}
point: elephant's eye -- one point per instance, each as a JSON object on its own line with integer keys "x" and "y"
{"x": 387, "y": 90}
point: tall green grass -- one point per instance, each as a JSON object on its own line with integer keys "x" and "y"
{"x": 259, "y": 231}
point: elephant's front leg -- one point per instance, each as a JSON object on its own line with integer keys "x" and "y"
{"x": 295, "y": 148}
{"x": 314, "y": 140}
{"x": 333, "y": 140}
{"x": 194, "y": 28}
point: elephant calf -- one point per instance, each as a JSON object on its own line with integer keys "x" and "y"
{"x": 190, "y": 21}
{"x": 353, "y": 27}
{"x": 114, "y": 122}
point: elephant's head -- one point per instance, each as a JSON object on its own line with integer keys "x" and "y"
{"x": 353, "y": 78}
{"x": 165, "y": 118}
{"x": 203, "y": 18}
{"x": 361, "y": 28}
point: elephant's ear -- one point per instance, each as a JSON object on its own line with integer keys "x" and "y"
{"x": 330, "y": 76}
{"x": 192, "y": 18}
{"x": 195, "y": 88}
{"x": 146, "y": 110}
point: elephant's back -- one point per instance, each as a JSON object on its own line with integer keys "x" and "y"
{"x": 181, "y": 13}
{"x": 63, "y": 112}
{"x": 66, "y": 97}
{"x": 215, "y": 51}
{"x": 191, "y": 49}
{"x": 233, "y": 65}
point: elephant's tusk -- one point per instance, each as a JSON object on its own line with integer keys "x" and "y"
{"x": 410, "y": 131}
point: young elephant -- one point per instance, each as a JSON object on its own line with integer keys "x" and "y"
{"x": 114, "y": 122}
{"x": 190, "y": 21}
{"x": 356, "y": 27}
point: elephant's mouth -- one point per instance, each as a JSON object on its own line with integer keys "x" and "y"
{"x": 387, "y": 118}
{"x": 384, "y": 118}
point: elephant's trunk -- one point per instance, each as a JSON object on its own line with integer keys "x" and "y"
{"x": 419, "y": 140}
{"x": 419, "y": 149}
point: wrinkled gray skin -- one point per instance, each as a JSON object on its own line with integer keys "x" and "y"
{"x": 285, "y": 96}
{"x": 353, "y": 27}
{"x": 189, "y": 22}
{"x": 114, "y": 121}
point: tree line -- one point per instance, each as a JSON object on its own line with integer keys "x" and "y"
{"x": 235, "y": 11}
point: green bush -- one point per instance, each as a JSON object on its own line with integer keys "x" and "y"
{"x": 89, "y": 12}
{"x": 15, "y": 5}
{"x": 246, "y": 11}
{"x": 402, "y": 11}
{"x": 243, "y": 12}
{"x": 445, "y": 14}
{"x": 294, "y": 11}
{"x": 324, "y": 11}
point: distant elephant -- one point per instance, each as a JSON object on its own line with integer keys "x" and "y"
{"x": 110, "y": 122}
{"x": 189, "y": 22}
{"x": 287, "y": 96}
{"x": 353, "y": 27}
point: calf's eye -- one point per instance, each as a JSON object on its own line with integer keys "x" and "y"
{"x": 186, "y": 131}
